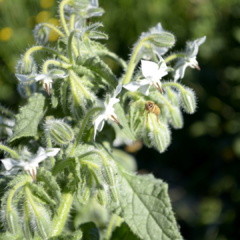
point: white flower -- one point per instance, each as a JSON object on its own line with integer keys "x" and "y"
{"x": 108, "y": 112}
{"x": 190, "y": 58}
{"x": 29, "y": 163}
{"x": 152, "y": 72}
{"x": 45, "y": 78}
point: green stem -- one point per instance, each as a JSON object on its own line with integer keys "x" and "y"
{"x": 9, "y": 201}
{"x": 10, "y": 151}
{"x": 173, "y": 56}
{"x": 41, "y": 48}
{"x": 61, "y": 11}
{"x": 56, "y": 63}
{"x": 54, "y": 29}
{"x": 132, "y": 63}
{"x": 72, "y": 21}
{"x": 113, "y": 56}
{"x": 110, "y": 227}
{"x": 173, "y": 84}
{"x": 85, "y": 121}
{"x": 76, "y": 79}
{"x": 70, "y": 45}
{"x": 63, "y": 212}
{"x": 7, "y": 112}
{"x": 165, "y": 100}
{"x": 31, "y": 201}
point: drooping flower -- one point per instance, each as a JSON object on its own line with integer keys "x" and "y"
{"x": 45, "y": 78}
{"x": 28, "y": 162}
{"x": 152, "y": 72}
{"x": 190, "y": 58}
{"x": 108, "y": 113}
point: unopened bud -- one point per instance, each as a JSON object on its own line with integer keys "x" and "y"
{"x": 162, "y": 39}
{"x": 43, "y": 226}
{"x": 12, "y": 221}
{"x": 101, "y": 196}
{"x": 26, "y": 66}
{"x": 59, "y": 131}
{"x": 41, "y": 34}
{"x": 172, "y": 96}
{"x": 176, "y": 117}
{"x": 115, "y": 194}
{"x": 27, "y": 231}
{"x": 188, "y": 100}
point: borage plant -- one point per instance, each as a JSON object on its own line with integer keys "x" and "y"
{"x": 70, "y": 127}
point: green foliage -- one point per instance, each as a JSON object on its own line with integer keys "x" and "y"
{"x": 123, "y": 233}
{"x": 90, "y": 231}
{"x": 29, "y": 117}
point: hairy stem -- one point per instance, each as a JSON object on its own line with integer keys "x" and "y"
{"x": 132, "y": 63}
{"x": 60, "y": 219}
{"x": 72, "y": 45}
{"x": 61, "y": 11}
{"x": 85, "y": 121}
{"x": 173, "y": 56}
{"x": 55, "y": 29}
{"x": 10, "y": 151}
{"x": 173, "y": 84}
{"x": 41, "y": 48}
{"x": 56, "y": 63}
{"x": 7, "y": 112}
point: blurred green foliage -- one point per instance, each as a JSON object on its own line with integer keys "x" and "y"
{"x": 203, "y": 162}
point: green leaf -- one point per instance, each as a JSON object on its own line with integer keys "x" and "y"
{"x": 90, "y": 231}
{"x": 123, "y": 121}
{"x": 98, "y": 66}
{"x": 123, "y": 233}
{"x": 29, "y": 117}
{"x": 63, "y": 94}
{"x": 146, "y": 208}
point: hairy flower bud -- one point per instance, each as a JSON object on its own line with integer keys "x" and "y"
{"x": 188, "y": 100}
{"x": 12, "y": 221}
{"x": 101, "y": 195}
{"x": 43, "y": 226}
{"x": 41, "y": 34}
{"x": 176, "y": 119}
{"x": 59, "y": 131}
{"x": 26, "y": 66}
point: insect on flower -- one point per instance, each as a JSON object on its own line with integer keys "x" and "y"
{"x": 151, "y": 107}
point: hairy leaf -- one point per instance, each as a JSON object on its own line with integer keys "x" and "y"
{"x": 29, "y": 117}
{"x": 123, "y": 233}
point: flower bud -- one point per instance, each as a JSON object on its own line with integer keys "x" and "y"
{"x": 41, "y": 34}
{"x": 162, "y": 39}
{"x": 115, "y": 194}
{"x": 188, "y": 100}
{"x": 172, "y": 96}
{"x": 26, "y": 90}
{"x": 26, "y": 66}
{"x": 176, "y": 117}
{"x": 109, "y": 175}
{"x": 59, "y": 131}
{"x": 27, "y": 231}
{"x": 43, "y": 226}
{"x": 12, "y": 221}
{"x": 101, "y": 196}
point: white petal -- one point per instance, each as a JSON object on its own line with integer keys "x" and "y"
{"x": 98, "y": 124}
{"x": 132, "y": 86}
{"x": 145, "y": 89}
{"x": 24, "y": 78}
{"x": 180, "y": 72}
{"x": 40, "y": 77}
{"x": 149, "y": 68}
{"x": 112, "y": 101}
{"x": 51, "y": 152}
{"x": 9, "y": 163}
{"x": 39, "y": 157}
{"x": 118, "y": 90}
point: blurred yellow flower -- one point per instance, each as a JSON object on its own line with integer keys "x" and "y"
{"x": 43, "y": 16}
{"x": 46, "y": 3}
{"x": 53, "y": 36}
{"x": 6, "y": 34}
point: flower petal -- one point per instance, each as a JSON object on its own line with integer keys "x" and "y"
{"x": 179, "y": 73}
{"x": 41, "y": 77}
{"x": 51, "y": 152}
{"x": 24, "y": 78}
{"x": 145, "y": 89}
{"x": 39, "y": 157}
{"x": 9, "y": 163}
{"x": 112, "y": 101}
{"x": 118, "y": 90}
{"x": 132, "y": 86}
{"x": 98, "y": 124}
{"x": 149, "y": 68}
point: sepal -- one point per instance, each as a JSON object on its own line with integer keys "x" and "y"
{"x": 188, "y": 100}
{"x": 176, "y": 119}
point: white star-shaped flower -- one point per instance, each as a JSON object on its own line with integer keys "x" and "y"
{"x": 152, "y": 72}
{"x": 45, "y": 78}
{"x": 108, "y": 113}
{"x": 29, "y": 163}
{"x": 190, "y": 58}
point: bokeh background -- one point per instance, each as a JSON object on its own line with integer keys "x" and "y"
{"x": 202, "y": 165}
